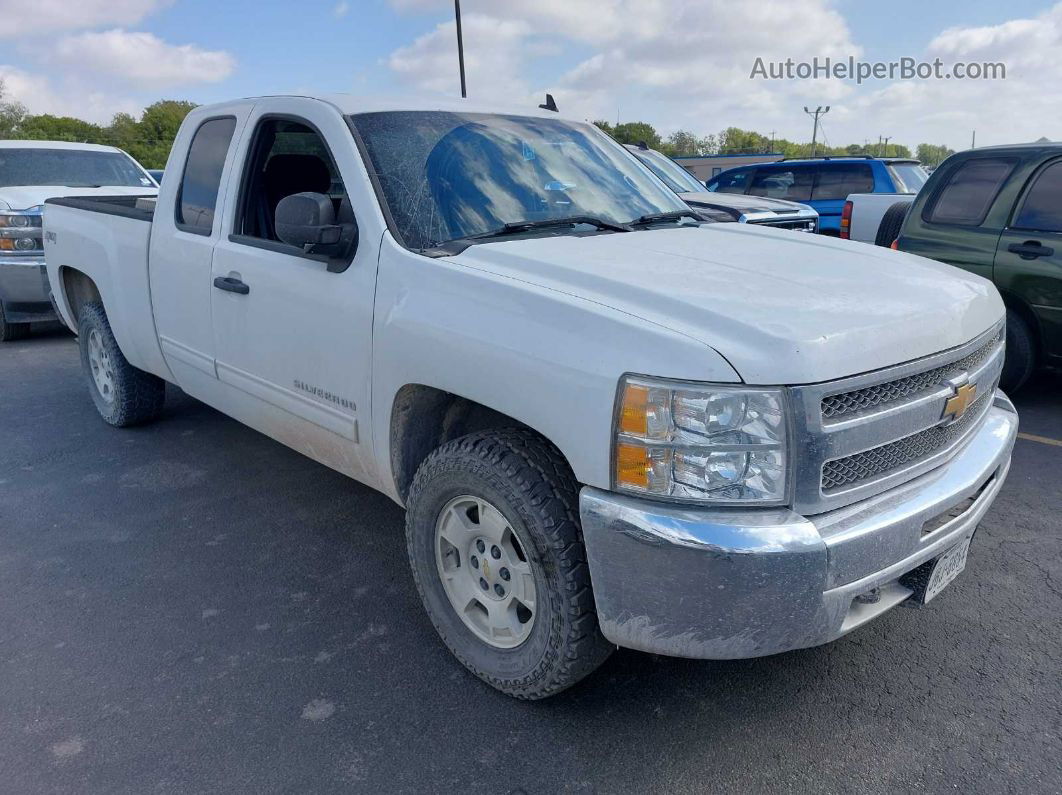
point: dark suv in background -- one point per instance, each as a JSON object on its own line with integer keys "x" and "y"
{"x": 823, "y": 183}
{"x": 997, "y": 212}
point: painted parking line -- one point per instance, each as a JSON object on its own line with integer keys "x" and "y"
{"x": 1031, "y": 437}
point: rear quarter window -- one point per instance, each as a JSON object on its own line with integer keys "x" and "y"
{"x": 201, "y": 180}
{"x": 968, "y": 193}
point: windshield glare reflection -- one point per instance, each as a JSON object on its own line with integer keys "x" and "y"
{"x": 446, "y": 176}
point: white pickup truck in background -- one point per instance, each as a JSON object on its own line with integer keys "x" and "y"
{"x": 864, "y": 216}
{"x": 610, "y": 424}
{"x": 30, "y": 173}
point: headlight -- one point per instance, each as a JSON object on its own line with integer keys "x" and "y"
{"x": 724, "y": 445}
{"x": 20, "y": 230}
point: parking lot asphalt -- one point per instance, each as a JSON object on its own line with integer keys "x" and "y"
{"x": 191, "y": 607}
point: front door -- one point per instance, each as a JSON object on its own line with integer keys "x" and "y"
{"x": 1028, "y": 262}
{"x": 293, "y": 333}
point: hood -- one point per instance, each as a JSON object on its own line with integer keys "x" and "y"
{"x": 746, "y": 204}
{"x": 22, "y": 197}
{"x": 781, "y": 308}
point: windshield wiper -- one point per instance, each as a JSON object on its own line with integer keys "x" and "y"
{"x": 656, "y": 218}
{"x": 459, "y": 244}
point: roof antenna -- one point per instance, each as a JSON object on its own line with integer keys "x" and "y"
{"x": 549, "y": 104}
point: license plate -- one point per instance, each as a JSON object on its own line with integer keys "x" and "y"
{"x": 946, "y": 568}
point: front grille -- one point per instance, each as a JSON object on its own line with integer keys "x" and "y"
{"x": 834, "y": 406}
{"x": 882, "y": 460}
{"x": 793, "y": 224}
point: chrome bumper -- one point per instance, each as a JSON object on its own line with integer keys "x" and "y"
{"x": 24, "y": 290}
{"x": 726, "y": 584}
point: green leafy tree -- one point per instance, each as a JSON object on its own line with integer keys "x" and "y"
{"x": 933, "y": 154}
{"x": 11, "y": 114}
{"x": 47, "y": 127}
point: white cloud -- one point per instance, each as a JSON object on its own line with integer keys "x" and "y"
{"x": 142, "y": 59}
{"x": 341, "y": 9}
{"x": 21, "y": 18}
{"x": 76, "y": 98}
{"x": 687, "y": 65}
{"x": 495, "y": 52}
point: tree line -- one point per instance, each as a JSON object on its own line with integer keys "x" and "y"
{"x": 734, "y": 140}
{"x": 150, "y": 137}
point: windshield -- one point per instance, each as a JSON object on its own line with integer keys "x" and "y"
{"x": 675, "y": 176}
{"x": 72, "y": 168}
{"x": 446, "y": 175}
{"x": 909, "y": 177}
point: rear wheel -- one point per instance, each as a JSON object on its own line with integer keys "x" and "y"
{"x": 891, "y": 224}
{"x": 123, "y": 394}
{"x": 10, "y": 332}
{"x": 1021, "y": 353}
{"x": 494, "y": 542}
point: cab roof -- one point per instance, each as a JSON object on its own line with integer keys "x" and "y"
{"x": 349, "y": 104}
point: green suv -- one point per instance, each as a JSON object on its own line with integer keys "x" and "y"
{"x": 997, "y": 212}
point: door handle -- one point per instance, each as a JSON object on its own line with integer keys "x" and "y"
{"x": 231, "y": 285}
{"x": 1030, "y": 249}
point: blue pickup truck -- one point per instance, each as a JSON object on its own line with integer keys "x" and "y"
{"x": 824, "y": 183}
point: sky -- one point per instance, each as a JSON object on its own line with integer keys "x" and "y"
{"x": 678, "y": 64}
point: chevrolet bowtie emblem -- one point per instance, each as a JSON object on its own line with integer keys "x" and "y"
{"x": 960, "y": 401}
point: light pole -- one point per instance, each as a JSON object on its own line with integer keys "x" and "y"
{"x": 460, "y": 47}
{"x": 819, "y": 111}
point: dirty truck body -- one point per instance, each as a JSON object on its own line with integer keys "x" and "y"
{"x": 610, "y": 424}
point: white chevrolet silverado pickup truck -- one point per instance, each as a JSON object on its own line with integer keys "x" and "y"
{"x": 609, "y": 423}
{"x": 30, "y": 173}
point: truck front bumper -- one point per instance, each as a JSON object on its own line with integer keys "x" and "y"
{"x": 24, "y": 290}
{"x": 727, "y": 584}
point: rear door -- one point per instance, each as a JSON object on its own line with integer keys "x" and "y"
{"x": 1028, "y": 261}
{"x": 183, "y": 240}
{"x": 293, "y": 345}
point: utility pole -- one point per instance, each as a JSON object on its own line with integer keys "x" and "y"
{"x": 460, "y": 47}
{"x": 772, "y": 140}
{"x": 885, "y": 148}
{"x": 973, "y": 140}
{"x": 819, "y": 111}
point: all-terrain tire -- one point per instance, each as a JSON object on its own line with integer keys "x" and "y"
{"x": 9, "y": 332}
{"x": 891, "y": 224}
{"x": 1021, "y": 353}
{"x": 136, "y": 397}
{"x": 529, "y": 482}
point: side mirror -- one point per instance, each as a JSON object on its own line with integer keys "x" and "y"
{"x": 308, "y": 221}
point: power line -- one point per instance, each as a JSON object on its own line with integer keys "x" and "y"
{"x": 815, "y": 129}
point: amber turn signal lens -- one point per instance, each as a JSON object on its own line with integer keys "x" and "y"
{"x": 632, "y": 466}
{"x": 634, "y": 412}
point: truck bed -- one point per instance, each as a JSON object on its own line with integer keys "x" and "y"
{"x": 139, "y": 208}
{"x": 107, "y": 238}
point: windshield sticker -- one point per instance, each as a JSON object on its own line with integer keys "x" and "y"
{"x": 529, "y": 153}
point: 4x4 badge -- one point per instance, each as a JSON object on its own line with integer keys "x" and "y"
{"x": 960, "y": 401}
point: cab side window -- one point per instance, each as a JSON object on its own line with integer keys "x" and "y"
{"x": 1042, "y": 208}
{"x": 970, "y": 190}
{"x": 792, "y": 184}
{"x": 198, "y": 196}
{"x": 837, "y": 180}
{"x": 731, "y": 182}
{"x": 286, "y": 157}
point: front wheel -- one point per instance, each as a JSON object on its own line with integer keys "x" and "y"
{"x": 493, "y": 537}
{"x": 1020, "y": 359}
